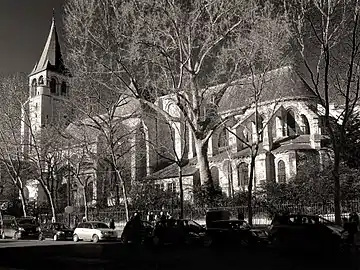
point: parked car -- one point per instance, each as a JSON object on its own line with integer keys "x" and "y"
{"x": 56, "y": 231}
{"x": 137, "y": 234}
{"x": 20, "y": 228}
{"x": 309, "y": 231}
{"x": 94, "y": 231}
{"x": 235, "y": 232}
{"x": 179, "y": 231}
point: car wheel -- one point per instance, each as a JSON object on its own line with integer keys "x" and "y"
{"x": 41, "y": 237}
{"x": 16, "y": 236}
{"x": 55, "y": 237}
{"x": 95, "y": 238}
{"x": 75, "y": 238}
{"x": 3, "y": 236}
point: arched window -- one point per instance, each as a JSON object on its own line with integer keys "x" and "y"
{"x": 89, "y": 192}
{"x": 41, "y": 80}
{"x": 305, "y": 125}
{"x": 33, "y": 87}
{"x": 53, "y": 86}
{"x": 260, "y": 127}
{"x": 222, "y": 142}
{"x": 228, "y": 172}
{"x": 281, "y": 172}
{"x": 291, "y": 123}
{"x": 63, "y": 89}
{"x": 243, "y": 174}
{"x": 215, "y": 175}
{"x": 196, "y": 179}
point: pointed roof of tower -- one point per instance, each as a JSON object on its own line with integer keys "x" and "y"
{"x": 51, "y": 57}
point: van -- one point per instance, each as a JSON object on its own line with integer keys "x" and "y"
{"x": 216, "y": 215}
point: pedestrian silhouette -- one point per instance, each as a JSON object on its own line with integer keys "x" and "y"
{"x": 112, "y": 224}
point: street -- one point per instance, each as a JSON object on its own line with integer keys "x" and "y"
{"x": 69, "y": 255}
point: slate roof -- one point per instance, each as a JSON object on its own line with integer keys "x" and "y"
{"x": 51, "y": 58}
{"x": 279, "y": 83}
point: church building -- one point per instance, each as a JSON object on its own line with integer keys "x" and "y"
{"x": 288, "y": 117}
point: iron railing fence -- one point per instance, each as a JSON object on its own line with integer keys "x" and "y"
{"x": 262, "y": 213}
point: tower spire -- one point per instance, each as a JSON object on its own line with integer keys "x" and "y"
{"x": 51, "y": 57}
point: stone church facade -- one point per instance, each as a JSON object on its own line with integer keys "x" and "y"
{"x": 288, "y": 116}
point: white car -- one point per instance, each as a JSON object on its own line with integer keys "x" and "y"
{"x": 94, "y": 231}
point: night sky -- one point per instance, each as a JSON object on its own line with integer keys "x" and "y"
{"x": 24, "y": 27}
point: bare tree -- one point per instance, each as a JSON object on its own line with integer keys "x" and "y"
{"x": 107, "y": 125}
{"x": 328, "y": 43}
{"x": 79, "y": 163}
{"x": 45, "y": 159}
{"x": 181, "y": 49}
{"x": 261, "y": 115}
{"x": 174, "y": 150}
{"x": 13, "y": 91}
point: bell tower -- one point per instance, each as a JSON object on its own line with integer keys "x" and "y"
{"x": 48, "y": 91}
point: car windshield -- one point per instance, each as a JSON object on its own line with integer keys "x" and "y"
{"x": 26, "y": 221}
{"x": 100, "y": 225}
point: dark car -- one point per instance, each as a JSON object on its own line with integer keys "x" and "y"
{"x": 216, "y": 215}
{"x": 179, "y": 231}
{"x": 56, "y": 231}
{"x": 20, "y": 228}
{"x": 137, "y": 234}
{"x": 235, "y": 232}
{"x": 305, "y": 231}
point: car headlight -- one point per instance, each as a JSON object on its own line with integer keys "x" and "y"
{"x": 59, "y": 233}
{"x": 21, "y": 229}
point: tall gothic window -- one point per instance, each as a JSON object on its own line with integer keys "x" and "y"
{"x": 306, "y": 126}
{"x": 260, "y": 127}
{"x": 291, "y": 123}
{"x": 53, "y": 86}
{"x": 243, "y": 174}
{"x": 222, "y": 138}
{"x": 281, "y": 172}
{"x": 228, "y": 172}
{"x": 63, "y": 88}
{"x": 215, "y": 175}
{"x": 33, "y": 87}
{"x": 90, "y": 192}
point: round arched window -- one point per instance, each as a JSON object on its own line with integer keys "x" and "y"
{"x": 41, "y": 80}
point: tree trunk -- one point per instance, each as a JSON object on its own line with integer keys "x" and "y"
{"x": 126, "y": 204}
{"x": 203, "y": 162}
{"x": 250, "y": 187}
{"x": 23, "y": 201}
{"x": 51, "y": 201}
{"x": 336, "y": 178}
{"x": 86, "y": 210}
{"x": 181, "y": 193}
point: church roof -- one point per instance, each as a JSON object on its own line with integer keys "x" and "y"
{"x": 51, "y": 57}
{"x": 279, "y": 83}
